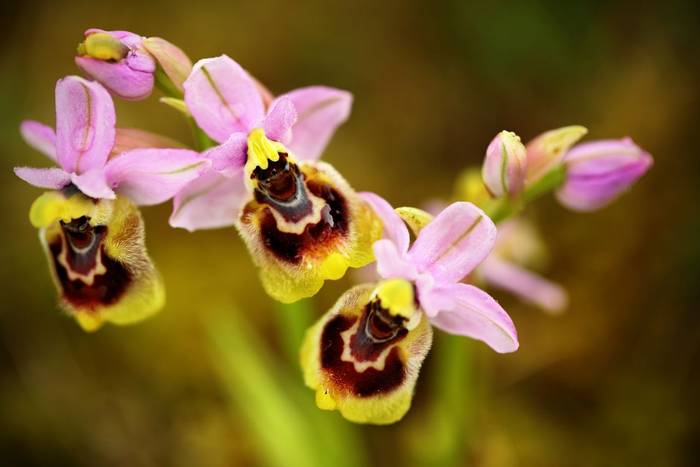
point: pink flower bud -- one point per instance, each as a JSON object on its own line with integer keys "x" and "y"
{"x": 175, "y": 63}
{"x": 118, "y": 61}
{"x": 127, "y": 64}
{"x": 504, "y": 166}
{"x": 545, "y": 152}
{"x": 599, "y": 171}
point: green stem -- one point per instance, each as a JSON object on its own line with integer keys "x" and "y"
{"x": 503, "y": 208}
{"x": 165, "y": 85}
{"x": 295, "y": 319}
{"x": 201, "y": 140}
{"x": 451, "y": 419}
{"x": 282, "y": 419}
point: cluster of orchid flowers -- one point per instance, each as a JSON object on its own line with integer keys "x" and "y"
{"x": 255, "y": 166}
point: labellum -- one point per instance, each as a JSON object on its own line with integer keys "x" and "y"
{"x": 304, "y": 224}
{"x": 363, "y": 357}
{"x": 97, "y": 258}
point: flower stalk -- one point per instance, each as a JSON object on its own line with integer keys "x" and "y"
{"x": 503, "y": 208}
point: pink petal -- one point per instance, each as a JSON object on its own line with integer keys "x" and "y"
{"x": 84, "y": 124}
{"x": 477, "y": 315}
{"x": 265, "y": 93}
{"x": 209, "y": 202}
{"x": 123, "y": 78}
{"x": 39, "y": 136}
{"x": 279, "y": 121}
{"x": 230, "y": 155}
{"x": 454, "y": 243}
{"x": 93, "y": 183}
{"x": 140, "y": 60}
{"x": 607, "y": 149}
{"x": 222, "y": 98}
{"x": 394, "y": 227}
{"x": 151, "y": 176}
{"x": 433, "y": 298}
{"x": 390, "y": 262}
{"x": 525, "y": 284}
{"x": 52, "y": 178}
{"x": 320, "y": 110}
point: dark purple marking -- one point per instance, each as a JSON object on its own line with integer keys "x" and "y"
{"x": 368, "y": 383}
{"x": 377, "y": 331}
{"x": 292, "y": 247}
{"x": 83, "y": 242}
{"x": 281, "y": 186}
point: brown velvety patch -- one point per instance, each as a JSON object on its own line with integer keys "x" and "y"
{"x": 293, "y": 247}
{"x": 83, "y": 241}
{"x": 375, "y": 333}
{"x": 362, "y": 384}
{"x": 82, "y": 251}
{"x": 281, "y": 186}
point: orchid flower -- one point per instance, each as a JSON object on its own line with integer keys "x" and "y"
{"x": 364, "y": 355}
{"x": 599, "y": 171}
{"x": 127, "y": 64}
{"x": 91, "y": 230}
{"x": 299, "y": 218}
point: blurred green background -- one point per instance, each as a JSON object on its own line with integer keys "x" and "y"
{"x": 213, "y": 380}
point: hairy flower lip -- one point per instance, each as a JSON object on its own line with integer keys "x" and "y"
{"x": 294, "y": 263}
{"x": 367, "y": 381}
{"x": 98, "y": 261}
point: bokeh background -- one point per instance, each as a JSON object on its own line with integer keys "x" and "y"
{"x": 214, "y": 381}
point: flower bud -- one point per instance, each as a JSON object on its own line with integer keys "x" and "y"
{"x": 546, "y": 151}
{"x": 175, "y": 63}
{"x": 599, "y": 171}
{"x": 504, "y": 166}
{"x": 117, "y": 60}
{"x": 129, "y": 65}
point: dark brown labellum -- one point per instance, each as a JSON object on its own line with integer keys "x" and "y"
{"x": 81, "y": 246}
{"x": 375, "y": 333}
{"x": 281, "y": 186}
{"x": 292, "y": 247}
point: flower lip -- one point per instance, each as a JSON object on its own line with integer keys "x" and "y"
{"x": 291, "y": 247}
{"x": 370, "y": 382}
{"x": 280, "y": 180}
{"x": 89, "y": 277}
{"x": 380, "y": 326}
{"x": 362, "y": 360}
{"x": 281, "y": 186}
{"x": 81, "y": 236}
